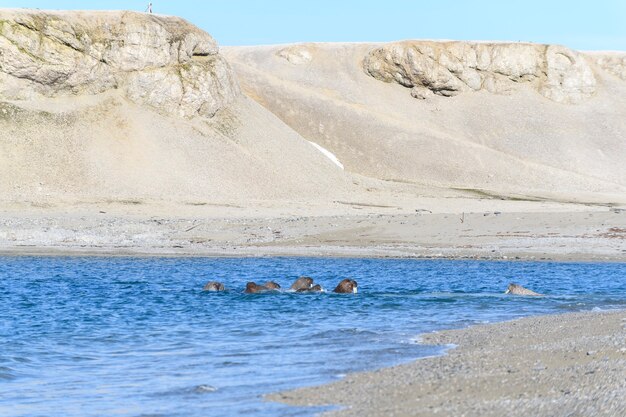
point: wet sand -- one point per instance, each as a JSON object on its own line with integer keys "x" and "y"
{"x": 562, "y": 365}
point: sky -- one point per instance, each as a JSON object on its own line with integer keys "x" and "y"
{"x": 582, "y": 25}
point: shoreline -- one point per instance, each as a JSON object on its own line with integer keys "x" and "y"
{"x": 527, "y": 232}
{"x": 286, "y": 252}
{"x": 563, "y": 364}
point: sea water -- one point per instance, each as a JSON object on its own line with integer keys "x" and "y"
{"x": 139, "y": 337}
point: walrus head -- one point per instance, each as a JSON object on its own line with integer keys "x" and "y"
{"x": 346, "y": 286}
{"x": 253, "y": 287}
{"x": 315, "y": 288}
{"x": 302, "y": 283}
{"x": 519, "y": 290}
{"x": 271, "y": 285}
{"x": 213, "y": 286}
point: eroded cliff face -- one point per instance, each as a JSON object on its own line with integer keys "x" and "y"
{"x": 452, "y": 68}
{"x": 160, "y": 61}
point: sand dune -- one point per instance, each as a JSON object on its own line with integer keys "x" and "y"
{"x": 148, "y": 111}
{"x": 512, "y": 140}
{"x": 111, "y": 149}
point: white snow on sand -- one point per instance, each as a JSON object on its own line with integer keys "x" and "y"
{"x": 328, "y": 154}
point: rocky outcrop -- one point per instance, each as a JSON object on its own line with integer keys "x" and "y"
{"x": 451, "y": 68}
{"x": 296, "y": 54}
{"x": 160, "y": 61}
{"x": 612, "y": 62}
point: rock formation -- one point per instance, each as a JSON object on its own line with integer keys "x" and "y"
{"x": 612, "y": 62}
{"x": 160, "y": 61}
{"x": 451, "y": 68}
{"x": 295, "y": 55}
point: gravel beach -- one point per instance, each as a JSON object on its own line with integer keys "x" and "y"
{"x": 563, "y": 365}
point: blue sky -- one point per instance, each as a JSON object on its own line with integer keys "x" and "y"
{"x": 586, "y": 25}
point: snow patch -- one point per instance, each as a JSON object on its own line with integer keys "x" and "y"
{"x": 328, "y": 154}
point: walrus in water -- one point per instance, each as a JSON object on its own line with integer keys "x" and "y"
{"x": 213, "y": 286}
{"x": 271, "y": 285}
{"x": 519, "y": 290}
{"x": 253, "y": 287}
{"x": 346, "y": 286}
{"x": 302, "y": 283}
{"x": 315, "y": 288}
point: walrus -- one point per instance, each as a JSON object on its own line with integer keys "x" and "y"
{"x": 315, "y": 288}
{"x": 213, "y": 286}
{"x": 302, "y": 283}
{"x": 271, "y": 285}
{"x": 346, "y": 286}
{"x": 253, "y": 287}
{"x": 519, "y": 290}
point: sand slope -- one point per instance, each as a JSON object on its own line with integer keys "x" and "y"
{"x": 134, "y": 107}
{"x": 106, "y": 148}
{"x": 513, "y": 141}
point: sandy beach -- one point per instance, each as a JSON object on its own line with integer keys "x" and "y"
{"x": 563, "y": 365}
{"x": 455, "y": 228}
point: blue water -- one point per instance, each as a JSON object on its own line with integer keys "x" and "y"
{"x": 138, "y": 337}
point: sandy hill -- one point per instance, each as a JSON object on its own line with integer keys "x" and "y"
{"x": 123, "y": 106}
{"x": 510, "y": 119}
{"x": 137, "y": 108}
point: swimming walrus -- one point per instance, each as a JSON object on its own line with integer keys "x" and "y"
{"x": 271, "y": 285}
{"x": 305, "y": 283}
{"x": 253, "y": 287}
{"x": 519, "y": 290}
{"x": 346, "y": 286}
{"x": 213, "y": 286}
{"x": 315, "y": 288}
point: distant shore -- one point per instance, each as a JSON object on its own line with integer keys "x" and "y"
{"x": 558, "y": 365}
{"x": 292, "y": 252}
{"x": 437, "y": 229}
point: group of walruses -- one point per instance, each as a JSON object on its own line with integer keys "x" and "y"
{"x": 302, "y": 284}
{"x": 306, "y": 284}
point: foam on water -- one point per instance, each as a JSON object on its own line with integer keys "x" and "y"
{"x": 132, "y": 336}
